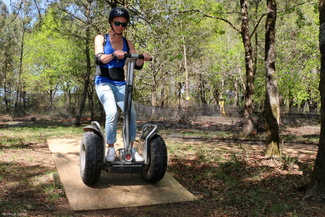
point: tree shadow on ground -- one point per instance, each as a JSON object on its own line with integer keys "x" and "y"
{"x": 27, "y": 189}
{"x": 244, "y": 185}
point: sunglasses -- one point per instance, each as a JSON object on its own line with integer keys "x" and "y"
{"x": 117, "y": 23}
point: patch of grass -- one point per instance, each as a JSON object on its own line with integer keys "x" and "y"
{"x": 289, "y": 138}
{"x": 198, "y": 134}
{"x": 14, "y": 143}
{"x": 207, "y": 155}
{"x": 174, "y": 147}
{"x": 23, "y": 137}
{"x": 288, "y": 161}
{"x": 311, "y": 138}
{"x": 203, "y": 134}
{"x": 53, "y": 192}
{"x": 314, "y": 139}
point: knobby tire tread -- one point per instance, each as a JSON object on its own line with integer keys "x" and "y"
{"x": 94, "y": 150}
{"x": 156, "y": 169}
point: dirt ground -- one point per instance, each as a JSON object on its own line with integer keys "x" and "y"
{"x": 251, "y": 184}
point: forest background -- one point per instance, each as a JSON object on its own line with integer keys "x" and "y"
{"x": 199, "y": 61}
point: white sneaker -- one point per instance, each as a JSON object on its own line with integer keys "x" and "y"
{"x": 136, "y": 156}
{"x": 110, "y": 154}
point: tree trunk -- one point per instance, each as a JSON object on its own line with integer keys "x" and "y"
{"x": 316, "y": 187}
{"x": 235, "y": 103}
{"x": 221, "y": 100}
{"x": 202, "y": 88}
{"x": 248, "y": 109}
{"x": 187, "y": 97}
{"x": 272, "y": 107}
{"x": 88, "y": 70}
{"x": 6, "y": 91}
{"x": 153, "y": 97}
{"x": 20, "y": 72}
{"x": 91, "y": 102}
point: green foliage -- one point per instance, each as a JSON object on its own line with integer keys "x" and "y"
{"x": 49, "y": 62}
{"x": 298, "y": 67}
{"x": 54, "y": 51}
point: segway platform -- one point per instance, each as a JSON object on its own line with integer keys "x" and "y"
{"x": 113, "y": 190}
{"x": 121, "y": 166}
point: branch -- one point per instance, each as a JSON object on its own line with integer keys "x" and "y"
{"x": 16, "y": 15}
{"x": 210, "y": 16}
{"x": 296, "y": 5}
{"x": 72, "y": 15}
{"x": 38, "y": 10}
{"x": 258, "y": 23}
{"x": 225, "y": 20}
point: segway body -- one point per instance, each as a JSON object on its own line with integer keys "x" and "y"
{"x": 92, "y": 148}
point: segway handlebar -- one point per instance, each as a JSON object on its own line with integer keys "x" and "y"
{"x": 136, "y": 56}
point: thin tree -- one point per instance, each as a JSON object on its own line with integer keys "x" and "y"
{"x": 316, "y": 188}
{"x": 272, "y": 105}
{"x": 249, "y": 91}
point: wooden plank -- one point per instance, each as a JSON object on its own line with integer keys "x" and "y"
{"x": 113, "y": 190}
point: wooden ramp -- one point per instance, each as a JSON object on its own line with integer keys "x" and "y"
{"x": 113, "y": 190}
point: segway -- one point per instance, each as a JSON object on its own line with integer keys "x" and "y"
{"x": 92, "y": 148}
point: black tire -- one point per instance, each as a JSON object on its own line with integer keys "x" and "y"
{"x": 157, "y": 156}
{"x": 91, "y": 157}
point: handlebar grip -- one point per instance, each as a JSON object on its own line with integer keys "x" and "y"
{"x": 142, "y": 57}
{"x": 138, "y": 56}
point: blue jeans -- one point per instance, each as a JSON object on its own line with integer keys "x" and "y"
{"x": 112, "y": 96}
